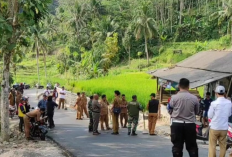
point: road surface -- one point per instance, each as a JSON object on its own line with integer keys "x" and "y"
{"x": 73, "y": 135}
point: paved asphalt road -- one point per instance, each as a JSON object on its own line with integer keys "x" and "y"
{"x": 74, "y": 136}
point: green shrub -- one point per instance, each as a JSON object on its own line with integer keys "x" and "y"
{"x": 225, "y": 40}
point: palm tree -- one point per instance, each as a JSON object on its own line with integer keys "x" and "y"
{"x": 79, "y": 14}
{"x": 126, "y": 41}
{"x": 145, "y": 26}
{"x": 225, "y": 14}
{"x": 16, "y": 58}
{"x": 40, "y": 43}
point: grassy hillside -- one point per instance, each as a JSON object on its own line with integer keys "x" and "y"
{"x": 130, "y": 79}
{"x": 139, "y": 84}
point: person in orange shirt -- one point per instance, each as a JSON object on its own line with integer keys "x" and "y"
{"x": 83, "y": 103}
{"x": 104, "y": 113}
{"x": 78, "y": 106}
{"x": 116, "y": 109}
{"x": 11, "y": 98}
{"x": 123, "y": 113}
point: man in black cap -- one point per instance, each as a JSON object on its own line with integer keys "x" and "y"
{"x": 153, "y": 108}
{"x": 133, "y": 112}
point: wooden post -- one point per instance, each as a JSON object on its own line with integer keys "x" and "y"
{"x": 228, "y": 91}
{"x": 157, "y": 85}
{"x": 160, "y": 100}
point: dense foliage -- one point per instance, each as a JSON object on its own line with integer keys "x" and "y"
{"x": 84, "y": 27}
{"x": 91, "y": 36}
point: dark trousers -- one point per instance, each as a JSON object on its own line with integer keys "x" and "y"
{"x": 90, "y": 121}
{"x": 43, "y": 115}
{"x": 184, "y": 133}
{"x": 50, "y": 120}
{"x": 21, "y": 123}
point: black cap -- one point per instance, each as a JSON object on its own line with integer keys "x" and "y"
{"x": 134, "y": 97}
{"x": 152, "y": 94}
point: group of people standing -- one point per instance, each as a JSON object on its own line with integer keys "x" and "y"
{"x": 15, "y": 97}
{"x": 127, "y": 113}
{"x": 45, "y": 106}
{"x": 185, "y": 107}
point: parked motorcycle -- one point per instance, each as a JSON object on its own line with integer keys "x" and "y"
{"x": 205, "y": 137}
{"x": 11, "y": 111}
{"x": 39, "y": 129}
{"x": 200, "y": 136}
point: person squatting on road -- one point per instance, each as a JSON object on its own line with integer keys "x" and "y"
{"x": 62, "y": 98}
{"x": 219, "y": 112}
{"x": 36, "y": 114}
{"x": 153, "y": 108}
{"x": 83, "y": 103}
{"x": 50, "y": 111}
{"x": 21, "y": 113}
{"x": 96, "y": 114}
{"x": 116, "y": 111}
{"x": 133, "y": 112}
{"x": 78, "y": 106}
{"x": 123, "y": 113}
{"x": 104, "y": 113}
{"x": 90, "y": 107}
{"x": 183, "y": 128}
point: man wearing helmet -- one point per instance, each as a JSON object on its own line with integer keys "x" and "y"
{"x": 36, "y": 114}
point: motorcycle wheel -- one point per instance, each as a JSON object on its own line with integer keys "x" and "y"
{"x": 42, "y": 137}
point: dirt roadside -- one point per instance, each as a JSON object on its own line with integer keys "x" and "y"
{"x": 18, "y": 146}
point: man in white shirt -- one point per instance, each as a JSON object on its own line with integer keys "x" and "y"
{"x": 62, "y": 98}
{"x": 47, "y": 92}
{"x": 219, "y": 112}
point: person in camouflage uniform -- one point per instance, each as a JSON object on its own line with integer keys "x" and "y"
{"x": 90, "y": 114}
{"x": 133, "y": 112}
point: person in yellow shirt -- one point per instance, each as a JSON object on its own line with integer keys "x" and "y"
{"x": 21, "y": 113}
{"x": 104, "y": 113}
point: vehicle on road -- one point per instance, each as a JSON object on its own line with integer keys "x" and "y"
{"x": 16, "y": 86}
{"x": 49, "y": 86}
{"x": 27, "y": 86}
{"x": 38, "y": 86}
{"x": 39, "y": 129}
{"x": 205, "y": 137}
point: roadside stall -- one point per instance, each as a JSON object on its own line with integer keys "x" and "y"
{"x": 204, "y": 69}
